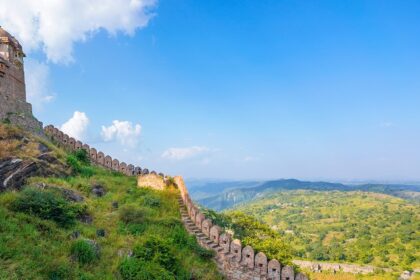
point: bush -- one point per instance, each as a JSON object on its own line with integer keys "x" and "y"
{"x": 84, "y": 251}
{"x": 82, "y": 156}
{"x": 151, "y": 201}
{"x": 47, "y": 205}
{"x": 79, "y": 161}
{"x": 135, "y": 269}
{"x": 157, "y": 250}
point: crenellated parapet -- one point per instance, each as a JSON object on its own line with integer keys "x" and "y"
{"x": 96, "y": 157}
{"x": 237, "y": 262}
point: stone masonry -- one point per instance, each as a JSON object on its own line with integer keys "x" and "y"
{"x": 13, "y": 105}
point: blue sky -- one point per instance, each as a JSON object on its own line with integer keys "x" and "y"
{"x": 240, "y": 89}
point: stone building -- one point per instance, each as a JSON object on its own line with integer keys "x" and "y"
{"x": 13, "y": 105}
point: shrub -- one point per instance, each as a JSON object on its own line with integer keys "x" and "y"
{"x": 135, "y": 269}
{"x": 74, "y": 163}
{"x": 79, "y": 161}
{"x": 151, "y": 201}
{"x": 82, "y": 156}
{"x": 159, "y": 251}
{"x": 47, "y": 205}
{"x": 84, "y": 251}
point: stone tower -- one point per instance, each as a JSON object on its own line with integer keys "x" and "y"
{"x": 13, "y": 105}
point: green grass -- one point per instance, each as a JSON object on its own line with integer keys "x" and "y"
{"x": 36, "y": 229}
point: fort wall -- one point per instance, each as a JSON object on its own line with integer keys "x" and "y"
{"x": 97, "y": 157}
{"x": 237, "y": 262}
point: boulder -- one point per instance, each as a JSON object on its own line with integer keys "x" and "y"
{"x": 43, "y": 148}
{"x": 98, "y": 190}
{"x": 100, "y": 233}
{"x": 72, "y": 195}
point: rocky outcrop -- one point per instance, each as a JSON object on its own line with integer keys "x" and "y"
{"x": 14, "y": 172}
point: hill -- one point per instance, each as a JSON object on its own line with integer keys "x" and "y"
{"x": 62, "y": 218}
{"x": 235, "y": 194}
{"x": 343, "y": 226}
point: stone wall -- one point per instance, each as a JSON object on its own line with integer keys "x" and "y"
{"x": 96, "y": 157}
{"x": 236, "y": 262}
{"x": 151, "y": 180}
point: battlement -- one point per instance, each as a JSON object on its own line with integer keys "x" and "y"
{"x": 96, "y": 157}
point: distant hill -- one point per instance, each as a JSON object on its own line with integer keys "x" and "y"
{"x": 201, "y": 189}
{"x": 365, "y": 228}
{"x": 224, "y": 195}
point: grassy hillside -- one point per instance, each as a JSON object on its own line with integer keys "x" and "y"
{"x": 92, "y": 224}
{"x": 350, "y": 227}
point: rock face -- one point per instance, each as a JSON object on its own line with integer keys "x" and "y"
{"x": 14, "y": 171}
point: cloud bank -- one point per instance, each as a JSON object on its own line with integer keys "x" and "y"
{"x": 123, "y": 132}
{"x": 55, "y": 26}
{"x": 76, "y": 126}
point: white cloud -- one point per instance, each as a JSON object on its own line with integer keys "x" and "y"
{"x": 76, "y": 126}
{"x": 124, "y": 132}
{"x": 38, "y": 84}
{"x": 54, "y": 26}
{"x": 184, "y": 153}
